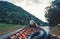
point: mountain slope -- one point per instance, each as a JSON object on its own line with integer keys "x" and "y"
{"x": 10, "y": 13}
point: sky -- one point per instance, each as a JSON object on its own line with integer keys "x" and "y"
{"x": 34, "y": 7}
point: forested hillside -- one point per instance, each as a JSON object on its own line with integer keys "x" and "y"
{"x": 12, "y": 14}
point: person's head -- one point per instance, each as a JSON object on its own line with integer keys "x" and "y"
{"x": 32, "y": 22}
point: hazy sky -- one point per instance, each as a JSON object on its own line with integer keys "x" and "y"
{"x": 35, "y": 7}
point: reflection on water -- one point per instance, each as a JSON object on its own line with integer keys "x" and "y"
{"x": 46, "y": 28}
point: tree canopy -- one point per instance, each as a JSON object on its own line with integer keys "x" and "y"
{"x": 53, "y": 13}
{"x": 12, "y": 14}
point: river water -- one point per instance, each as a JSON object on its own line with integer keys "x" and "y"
{"x": 46, "y": 28}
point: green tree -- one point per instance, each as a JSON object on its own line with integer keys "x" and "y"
{"x": 10, "y": 13}
{"x": 53, "y": 13}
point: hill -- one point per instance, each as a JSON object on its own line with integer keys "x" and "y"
{"x": 12, "y": 14}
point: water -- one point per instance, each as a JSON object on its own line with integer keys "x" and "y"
{"x": 46, "y": 28}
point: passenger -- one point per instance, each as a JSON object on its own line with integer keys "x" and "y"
{"x": 40, "y": 33}
{"x": 32, "y": 23}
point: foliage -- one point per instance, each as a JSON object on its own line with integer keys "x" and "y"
{"x": 12, "y": 14}
{"x": 53, "y": 13}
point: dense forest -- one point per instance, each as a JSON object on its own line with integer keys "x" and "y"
{"x": 12, "y": 14}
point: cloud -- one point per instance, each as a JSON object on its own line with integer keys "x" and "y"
{"x": 19, "y": 1}
{"x": 15, "y": 1}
